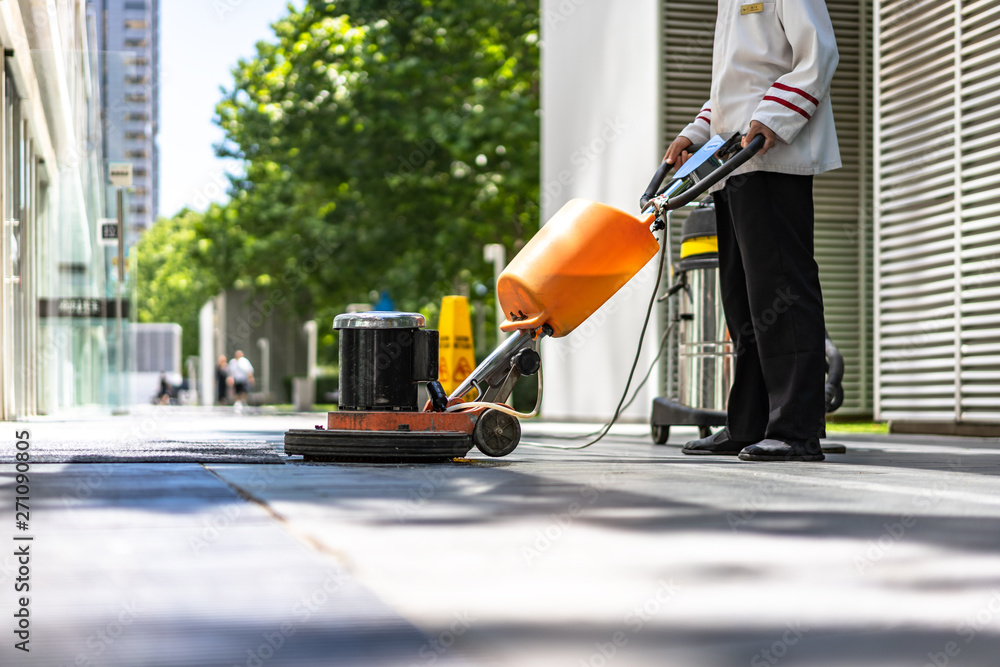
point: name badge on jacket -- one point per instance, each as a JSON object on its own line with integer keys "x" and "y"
{"x": 754, "y": 8}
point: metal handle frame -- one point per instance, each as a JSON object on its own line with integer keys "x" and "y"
{"x": 687, "y": 186}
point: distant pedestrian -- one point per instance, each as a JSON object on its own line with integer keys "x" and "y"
{"x": 241, "y": 377}
{"x": 221, "y": 380}
{"x": 163, "y": 395}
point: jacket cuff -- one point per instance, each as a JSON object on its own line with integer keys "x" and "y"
{"x": 696, "y": 132}
{"x": 783, "y": 122}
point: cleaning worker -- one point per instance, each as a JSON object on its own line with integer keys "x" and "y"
{"x": 771, "y": 71}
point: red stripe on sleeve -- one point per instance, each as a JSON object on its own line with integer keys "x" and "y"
{"x": 788, "y": 104}
{"x": 797, "y": 91}
{"x": 704, "y": 119}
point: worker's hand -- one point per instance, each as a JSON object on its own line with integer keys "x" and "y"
{"x": 757, "y": 127}
{"x": 677, "y": 154}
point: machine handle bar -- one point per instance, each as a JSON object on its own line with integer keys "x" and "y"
{"x": 661, "y": 173}
{"x": 654, "y": 185}
{"x": 704, "y": 184}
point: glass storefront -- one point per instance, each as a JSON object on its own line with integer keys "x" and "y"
{"x": 60, "y": 343}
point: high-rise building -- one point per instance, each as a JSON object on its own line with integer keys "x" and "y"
{"x": 129, "y": 40}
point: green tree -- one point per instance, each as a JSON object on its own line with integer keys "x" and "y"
{"x": 174, "y": 278}
{"x": 384, "y": 143}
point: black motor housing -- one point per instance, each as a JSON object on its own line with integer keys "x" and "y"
{"x": 383, "y": 357}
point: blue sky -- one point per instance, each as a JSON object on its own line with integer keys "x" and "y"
{"x": 200, "y": 41}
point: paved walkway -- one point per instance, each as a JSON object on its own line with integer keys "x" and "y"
{"x": 181, "y": 537}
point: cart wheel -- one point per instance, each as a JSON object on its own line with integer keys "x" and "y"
{"x": 496, "y": 433}
{"x": 661, "y": 433}
{"x": 704, "y": 431}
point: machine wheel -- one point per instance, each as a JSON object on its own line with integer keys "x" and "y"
{"x": 661, "y": 433}
{"x": 704, "y": 431}
{"x": 496, "y": 433}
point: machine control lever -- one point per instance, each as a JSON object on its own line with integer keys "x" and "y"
{"x": 711, "y": 163}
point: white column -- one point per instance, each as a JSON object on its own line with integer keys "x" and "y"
{"x": 600, "y": 141}
{"x": 207, "y": 352}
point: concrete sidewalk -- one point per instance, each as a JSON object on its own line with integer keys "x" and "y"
{"x": 184, "y": 537}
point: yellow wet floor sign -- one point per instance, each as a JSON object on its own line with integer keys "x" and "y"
{"x": 458, "y": 358}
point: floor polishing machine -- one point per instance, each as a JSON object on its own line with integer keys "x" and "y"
{"x": 569, "y": 269}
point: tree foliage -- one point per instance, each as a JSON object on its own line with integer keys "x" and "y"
{"x": 384, "y": 144}
{"x": 174, "y": 280}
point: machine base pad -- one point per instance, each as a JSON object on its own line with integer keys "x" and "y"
{"x": 347, "y": 446}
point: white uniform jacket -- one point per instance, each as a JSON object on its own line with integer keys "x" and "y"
{"x": 773, "y": 62}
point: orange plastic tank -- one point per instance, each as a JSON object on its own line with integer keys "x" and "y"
{"x": 573, "y": 265}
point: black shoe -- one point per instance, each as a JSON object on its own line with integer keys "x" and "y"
{"x": 776, "y": 450}
{"x": 717, "y": 444}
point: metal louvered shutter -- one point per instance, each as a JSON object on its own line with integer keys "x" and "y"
{"x": 979, "y": 295}
{"x": 938, "y": 212}
{"x": 843, "y": 197}
{"x": 915, "y": 210}
{"x": 843, "y": 207}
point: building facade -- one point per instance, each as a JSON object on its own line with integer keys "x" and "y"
{"x": 57, "y": 349}
{"x": 129, "y": 40}
{"x": 907, "y": 232}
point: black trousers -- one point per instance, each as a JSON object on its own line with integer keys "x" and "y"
{"x": 774, "y": 307}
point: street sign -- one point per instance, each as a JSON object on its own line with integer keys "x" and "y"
{"x": 120, "y": 174}
{"x": 109, "y": 231}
